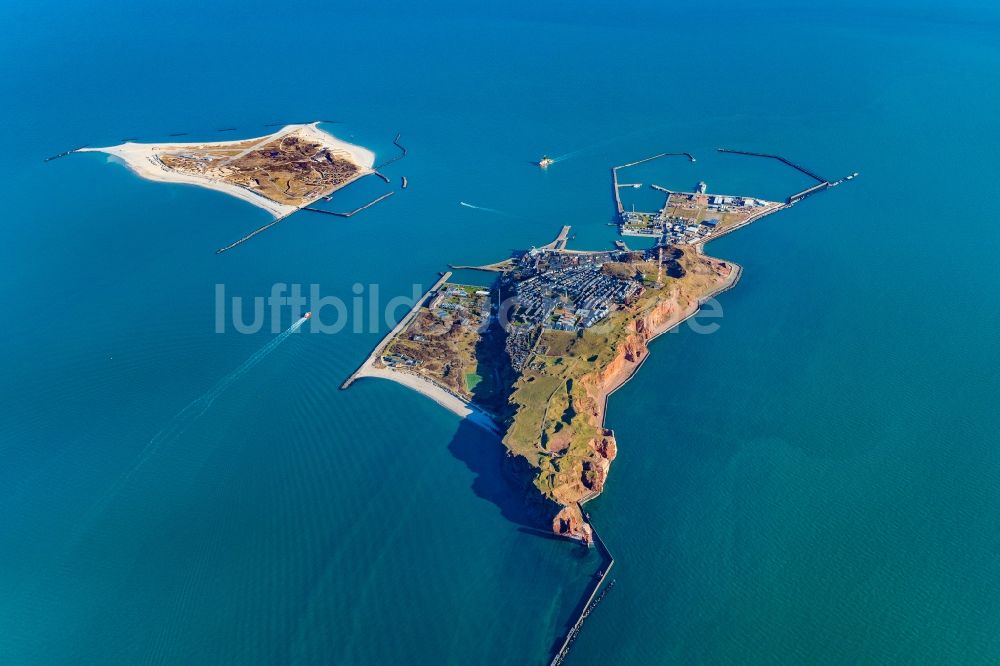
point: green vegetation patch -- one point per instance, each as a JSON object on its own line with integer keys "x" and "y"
{"x": 472, "y": 380}
{"x": 531, "y": 399}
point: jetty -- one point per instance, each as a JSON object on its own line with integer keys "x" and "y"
{"x": 560, "y": 241}
{"x": 619, "y": 208}
{"x": 64, "y": 153}
{"x": 402, "y": 324}
{"x": 276, "y": 220}
{"x": 402, "y": 153}
{"x": 498, "y": 267}
{"x": 821, "y": 183}
{"x": 799, "y": 196}
{"x": 557, "y": 245}
{"x": 590, "y": 601}
{"x": 797, "y": 167}
{"x": 352, "y": 212}
{"x": 250, "y": 235}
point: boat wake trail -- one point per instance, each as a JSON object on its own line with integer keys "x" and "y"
{"x": 202, "y": 404}
{"x": 482, "y": 208}
{"x": 604, "y": 142}
{"x": 185, "y": 418}
{"x": 198, "y": 407}
{"x": 494, "y": 211}
{"x": 580, "y": 151}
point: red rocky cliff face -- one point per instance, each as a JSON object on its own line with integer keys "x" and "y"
{"x": 570, "y": 523}
{"x": 632, "y": 349}
{"x": 593, "y": 473}
{"x": 607, "y": 445}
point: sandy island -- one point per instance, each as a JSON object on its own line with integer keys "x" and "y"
{"x": 144, "y": 160}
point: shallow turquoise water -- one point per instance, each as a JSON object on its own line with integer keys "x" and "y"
{"x": 815, "y": 482}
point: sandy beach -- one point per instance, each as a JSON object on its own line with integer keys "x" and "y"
{"x": 422, "y": 385}
{"x": 425, "y": 387}
{"x": 141, "y": 159}
{"x": 360, "y": 155}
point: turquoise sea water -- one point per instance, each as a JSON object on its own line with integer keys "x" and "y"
{"x": 813, "y": 483}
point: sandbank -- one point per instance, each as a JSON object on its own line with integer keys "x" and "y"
{"x": 142, "y": 159}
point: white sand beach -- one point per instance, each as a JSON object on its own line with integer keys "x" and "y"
{"x": 425, "y": 387}
{"x": 360, "y": 155}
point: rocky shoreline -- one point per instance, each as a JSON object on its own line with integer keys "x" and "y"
{"x": 633, "y": 351}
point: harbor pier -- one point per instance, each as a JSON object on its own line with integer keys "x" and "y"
{"x": 250, "y": 235}
{"x": 590, "y": 601}
{"x": 797, "y": 167}
{"x": 560, "y": 241}
{"x": 352, "y": 212}
{"x": 616, "y": 185}
{"x": 821, "y": 183}
{"x": 799, "y": 196}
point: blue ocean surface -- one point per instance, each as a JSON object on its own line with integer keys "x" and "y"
{"x": 814, "y": 482}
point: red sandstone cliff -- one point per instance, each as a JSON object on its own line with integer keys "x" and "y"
{"x": 632, "y": 350}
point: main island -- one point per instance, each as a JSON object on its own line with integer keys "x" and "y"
{"x": 534, "y": 357}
